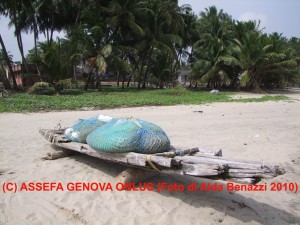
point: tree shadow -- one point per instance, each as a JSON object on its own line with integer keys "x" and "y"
{"x": 282, "y": 91}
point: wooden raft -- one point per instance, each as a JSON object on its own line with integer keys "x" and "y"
{"x": 192, "y": 162}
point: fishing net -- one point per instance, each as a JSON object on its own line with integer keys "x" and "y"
{"x": 83, "y": 127}
{"x": 129, "y": 135}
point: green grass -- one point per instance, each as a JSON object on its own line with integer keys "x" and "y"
{"x": 113, "y": 98}
{"x": 263, "y": 99}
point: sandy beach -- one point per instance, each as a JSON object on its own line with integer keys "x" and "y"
{"x": 265, "y": 132}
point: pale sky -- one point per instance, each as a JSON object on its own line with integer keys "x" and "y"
{"x": 282, "y": 16}
{"x": 11, "y": 42}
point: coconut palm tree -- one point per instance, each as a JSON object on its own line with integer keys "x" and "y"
{"x": 161, "y": 34}
{"x": 262, "y": 57}
{"x": 212, "y": 50}
{"x": 12, "y": 9}
{"x": 3, "y": 60}
{"x": 7, "y": 59}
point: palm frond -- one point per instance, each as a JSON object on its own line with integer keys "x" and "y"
{"x": 135, "y": 27}
{"x": 171, "y": 38}
{"x": 106, "y": 50}
{"x": 209, "y": 74}
{"x": 101, "y": 64}
{"x": 244, "y": 78}
{"x": 162, "y": 46}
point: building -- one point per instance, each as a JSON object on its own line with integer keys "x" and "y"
{"x": 23, "y": 79}
{"x": 183, "y": 76}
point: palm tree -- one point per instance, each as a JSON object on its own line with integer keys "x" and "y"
{"x": 262, "y": 57}
{"x": 161, "y": 34}
{"x": 212, "y": 50}
{"x": 7, "y": 59}
{"x": 284, "y": 67}
{"x": 189, "y": 33}
{"x": 55, "y": 66}
{"x": 12, "y": 8}
{"x": 29, "y": 19}
{"x": 3, "y": 76}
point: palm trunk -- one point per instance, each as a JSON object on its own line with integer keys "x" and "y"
{"x": 2, "y": 67}
{"x": 129, "y": 80}
{"x": 99, "y": 80}
{"x": 19, "y": 38}
{"x": 118, "y": 78}
{"x": 89, "y": 78}
{"x": 51, "y": 35}
{"x": 146, "y": 76}
{"x": 4, "y": 78}
{"x": 141, "y": 70}
{"x": 78, "y": 13}
{"x": 8, "y": 63}
{"x": 74, "y": 72}
{"x": 47, "y": 36}
{"x": 172, "y": 78}
{"x": 147, "y": 69}
{"x": 35, "y": 33}
{"x": 51, "y": 28}
{"x": 140, "y": 76}
{"x": 20, "y": 45}
{"x": 140, "y": 80}
{"x": 5, "y": 82}
{"x": 123, "y": 80}
{"x": 35, "y": 49}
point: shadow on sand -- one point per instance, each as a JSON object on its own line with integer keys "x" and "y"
{"x": 229, "y": 204}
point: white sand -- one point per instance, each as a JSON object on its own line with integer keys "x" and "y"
{"x": 267, "y": 132}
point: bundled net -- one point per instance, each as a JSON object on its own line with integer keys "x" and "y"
{"x": 83, "y": 127}
{"x": 129, "y": 135}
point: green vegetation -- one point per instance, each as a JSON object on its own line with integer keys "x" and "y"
{"x": 144, "y": 43}
{"x": 263, "y": 99}
{"x": 230, "y": 53}
{"x": 112, "y": 98}
{"x": 41, "y": 88}
{"x": 148, "y": 42}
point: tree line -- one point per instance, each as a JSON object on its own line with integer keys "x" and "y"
{"x": 148, "y": 42}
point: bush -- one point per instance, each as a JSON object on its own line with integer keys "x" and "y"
{"x": 41, "y": 88}
{"x": 68, "y": 83}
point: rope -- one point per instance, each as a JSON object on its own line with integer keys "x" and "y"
{"x": 148, "y": 159}
{"x": 46, "y": 133}
{"x": 136, "y": 122}
{"x": 166, "y": 154}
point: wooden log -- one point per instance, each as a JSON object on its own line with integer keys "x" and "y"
{"x": 181, "y": 152}
{"x": 239, "y": 164}
{"x": 131, "y": 158}
{"x": 59, "y": 154}
{"x": 194, "y": 151}
{"x": 248, "y": 175}
{"x": 200, "y": 170}
{"x": 236, "y": 169}
{"x": 135, "y": 175}
{"x": 54, "y": 136}
{"x": 192, "y": 162}
{"x": 203, "y": 152}
{"x": 232, "y": 171}
{"x": 244, "y": 180}
{"x": 190, "y": 151}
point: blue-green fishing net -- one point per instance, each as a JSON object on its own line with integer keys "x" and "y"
{"x": 82, "y": 128}
{"x": 129, "y": 135}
